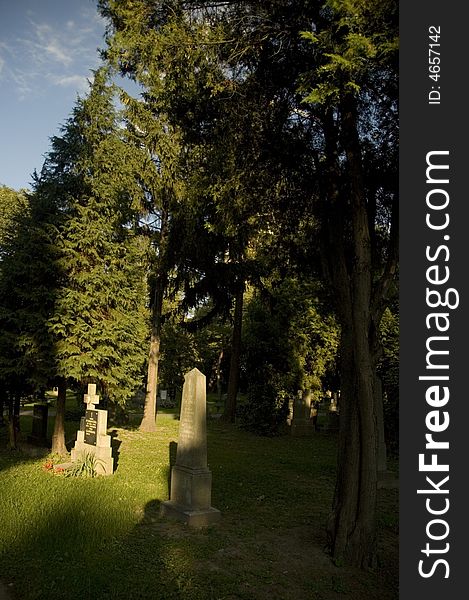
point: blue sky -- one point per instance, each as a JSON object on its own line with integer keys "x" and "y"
{"x": 47, "y": 48}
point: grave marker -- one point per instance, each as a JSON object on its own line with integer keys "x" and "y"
{"x": 191, "y": 480}
{"x": 92, "y": 436}
{"x": 302, "y": 424}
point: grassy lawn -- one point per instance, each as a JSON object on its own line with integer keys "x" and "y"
{"x": 103, "y": 538}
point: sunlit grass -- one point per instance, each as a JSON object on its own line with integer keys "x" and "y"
{"x": 103, "y": 537}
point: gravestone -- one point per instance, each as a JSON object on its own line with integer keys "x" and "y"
{"x": 322, "y": 412}
{"x": 39, "y": 427}
{"x": 332, "y": 423}
{"x": 191, "y": 480}
{"x": 328, "y": 414}
{"x": 92, "y": 436}
{"x": 302, "y": 424}
{"x": 290, "y": 411}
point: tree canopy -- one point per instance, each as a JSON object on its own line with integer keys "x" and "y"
{"x": 249, "y": 180}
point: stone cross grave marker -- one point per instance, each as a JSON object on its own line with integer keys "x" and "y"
{"x": 92, "y": 436}
{"x": 191, "y": 480}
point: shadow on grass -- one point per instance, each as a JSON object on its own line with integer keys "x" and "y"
{"x": 23, "y": 454}
{"x": 133, "y": 424}
{"x": 172, "y": 449}
{"x": 70, "y": 553}
{"x": 115, "y": 445}
{"x": 101, "y": 538}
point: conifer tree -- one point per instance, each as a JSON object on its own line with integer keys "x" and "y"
{"x": 97, "y": 319}
{"x": 100, "y": 319}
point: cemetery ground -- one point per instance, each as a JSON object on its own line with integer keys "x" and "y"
{"x": 63, "y": 538}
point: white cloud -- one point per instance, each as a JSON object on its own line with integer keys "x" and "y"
{"x": 49, "y": 44}
{"x": 79, "y": 82}
{"x": 60, "y": 53}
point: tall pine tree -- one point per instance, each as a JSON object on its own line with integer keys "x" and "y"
{"x": 99, "y": 322}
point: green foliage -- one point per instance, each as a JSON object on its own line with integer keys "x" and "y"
{"x": 179, "y": 355}
{"x": 290, "y": 342}
{"x": 12, "y": 205}
{"x": 99, "y": 322}
{"x": 27, "y": 295}
{"x": 352, "y": 41}
{"x": 213, "y": 345}
{"x": 85, "y": 466}
{"x": 267, "y": 406}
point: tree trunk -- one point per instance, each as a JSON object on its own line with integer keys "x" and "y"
{"x": 16, "y": 412}
{"x": 13, "y": 423}
{"x": 149, "y": 414}
{"x": 382, "y": 453}
{"x": 2, "y": 404}
{"x": 218, "y": 377}
{"x": 233, "y": 380}
{"x": 352, "y": 528}
{"x": 58, "y": 436}
{"x": 352, "y": 523}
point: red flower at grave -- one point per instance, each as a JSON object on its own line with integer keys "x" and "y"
{"x": 48, "y": 465}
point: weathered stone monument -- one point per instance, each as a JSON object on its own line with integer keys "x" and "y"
{"x": 302, "y": 424}
{"x": 92, "y": 436}
{"x": 191, "y": 480}
{"x": 39, "y": 427}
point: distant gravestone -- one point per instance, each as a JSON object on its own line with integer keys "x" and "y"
{"x": 290, "y": 411}
{"x": 39, "y": 427}
{"x": 302, "y": 424}
{"x": 92, "y": 436}
{"x": 191, "y": 480}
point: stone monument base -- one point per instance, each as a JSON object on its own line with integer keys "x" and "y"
{"x": 191, "y": 488}
{"x": 103, "y": 455}
{"x": 191, "y": 497}
{"x": 194, "y": 518}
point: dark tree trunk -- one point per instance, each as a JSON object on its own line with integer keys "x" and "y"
{"x": 16, "y": 412}
{"x": 218, "y": 377}
{"x": 382, "y": 451}
{"x": 149, "y": 413}
{"x": 148, "y": 423}
{"x": 348, "y": 251}
{"x": 58, "y": 435}
{"x": 233, "y": 380}
{"x": 150, "y": 409}
{"x": 352, "y": 522}
{"x": 13, "y": 422}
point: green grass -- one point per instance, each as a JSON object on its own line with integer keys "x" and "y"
{"x": 103, "y": 538}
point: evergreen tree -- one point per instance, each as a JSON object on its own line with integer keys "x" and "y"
{"x": 284, "y": 131}
{"x": 96, "y": 323}
{"x": 99, "y": 321}
{"x": 354, "y": 95}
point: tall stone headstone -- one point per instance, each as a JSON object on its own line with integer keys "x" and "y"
{"x": 92, "y": 436}
{"x": 302, "y": 424}
{"x": 191, "y": 480}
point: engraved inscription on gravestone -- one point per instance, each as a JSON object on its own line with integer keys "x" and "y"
{"x": 92, "y": 437}
{"x": 91, "y": 426}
